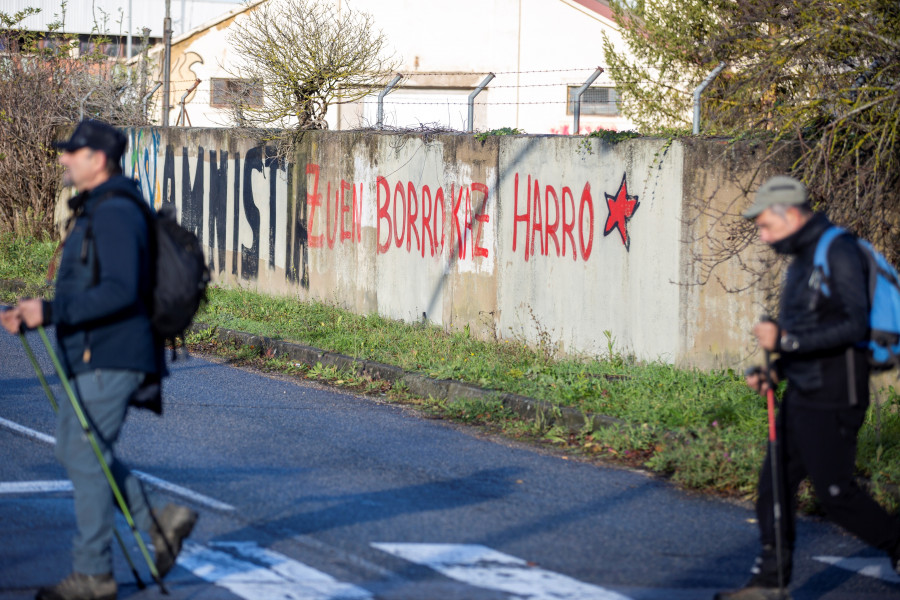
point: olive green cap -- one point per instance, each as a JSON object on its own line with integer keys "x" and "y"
{"x": 781, "y": 189}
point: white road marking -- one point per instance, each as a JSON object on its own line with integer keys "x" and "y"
{"x": 35, "y": 487}
{"x": 172, "y": 488}
{"x": 183, "y": 492}
{"x": 260, "y": 574}
{"x": 879, "y": 568}
{"x": 37, "y": 435}
{"x": 483, "y": 567}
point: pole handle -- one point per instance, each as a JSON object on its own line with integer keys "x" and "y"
{"x": 770, "y": 396}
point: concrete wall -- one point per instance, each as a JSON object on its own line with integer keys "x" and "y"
{"x": 530, "y": 237}
{"x": 597, "y": 270}
{"x": 722, "y": 294}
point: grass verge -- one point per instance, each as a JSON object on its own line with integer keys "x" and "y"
{"x": 23, "y": 266}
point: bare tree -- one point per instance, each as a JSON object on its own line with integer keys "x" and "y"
{"x": 44, "y": 86}
{"x": 298, "y": 57}
{"x": 822, "y": 74}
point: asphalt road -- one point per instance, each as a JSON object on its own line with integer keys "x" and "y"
{"x": 310, "y": 493}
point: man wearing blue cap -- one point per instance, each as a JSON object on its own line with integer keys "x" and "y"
{"x": 100, "y": 310}
{"x": 818, "y": 339}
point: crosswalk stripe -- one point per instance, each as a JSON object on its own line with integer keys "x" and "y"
{"x": 37, "y": 435}
{"x": 256, "y": 573}
{"x": 483, "y": 567}
{"x": 35, "y": 487}
{"x": 879, "y": 568}
{"x": 184, "y": 492}
{"x": 155, "y": 481}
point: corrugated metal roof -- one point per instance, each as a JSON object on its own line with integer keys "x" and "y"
{"x": 111, "y": 16}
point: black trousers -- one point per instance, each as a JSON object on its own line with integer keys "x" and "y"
{"x": 820, "y": 444}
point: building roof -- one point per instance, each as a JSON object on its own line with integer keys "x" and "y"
{"x": 601, "y": 7}
{"x": 244, "y": 7}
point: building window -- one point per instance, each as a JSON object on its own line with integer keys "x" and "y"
{"x": 228, "y": 92}
{"x": 595, "y": 101}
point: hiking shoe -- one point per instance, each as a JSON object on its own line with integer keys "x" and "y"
{"x": 79, "y": 586}
{"x": 763, "y": 583}
{"x": 170, "y": 527}
{"x": 754, "y": 593}
{"x": 895, "y": 558}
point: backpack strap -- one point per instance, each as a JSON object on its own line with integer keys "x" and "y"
{"x": 151, "y": 239}
{"x": 88, "y": 240}
{"x": 820, "y": 260}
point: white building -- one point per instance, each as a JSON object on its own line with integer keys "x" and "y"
{"x": 540, "y": 51}
{"x": 115, "y": 19}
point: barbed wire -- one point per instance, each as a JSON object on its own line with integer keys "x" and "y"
{"x": 440, "y": 73}
{"x": 204, "y": 94}
{"x": 489, "y": 87}
{"x": 530, "y": 85}
{"x": 386, "y": 102}
{"x": 454, "y": 73}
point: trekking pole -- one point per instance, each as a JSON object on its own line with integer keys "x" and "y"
{"x": 85, "y": 426}
{"x": 40, "y": 375}
{"x": 38, "y": 371}
{"x": 776, "y": 481}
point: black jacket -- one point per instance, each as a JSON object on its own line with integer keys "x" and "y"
{"x": 103, "y": 285}
{"x": 829, "y": 369}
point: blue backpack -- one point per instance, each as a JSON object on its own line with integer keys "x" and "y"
{"x": 884, "y": 298}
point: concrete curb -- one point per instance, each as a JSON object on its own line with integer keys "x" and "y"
{"x": 572, "y": 419}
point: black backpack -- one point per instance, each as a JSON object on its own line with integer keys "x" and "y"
{"x": 179, "y": 281}
{"x": 180, "y": 274}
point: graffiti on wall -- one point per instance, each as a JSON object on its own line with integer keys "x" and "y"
{"x": 416, "y": 219}
{"x": 142, "y": 162}
{"x": 554, "y": 223}
{"x": 428, "y": 221}
{"x": 462, "y": 220}
{"x": 204, "y": 197}
{"x": 347, "y": 210}
{"x": 195, "y": 196}
{"x": 221, "y": 205}
{"x": 621, "y": 209}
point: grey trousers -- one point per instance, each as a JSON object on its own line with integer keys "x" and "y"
{"x": 104, "y": 396}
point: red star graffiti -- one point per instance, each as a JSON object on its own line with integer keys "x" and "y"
{"x": 621, "y": 208}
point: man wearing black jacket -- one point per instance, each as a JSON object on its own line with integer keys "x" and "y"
{"x": 107, "y": 347}
{"x": 818, "y": 340}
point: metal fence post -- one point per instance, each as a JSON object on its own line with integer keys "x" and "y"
{"x": 474, "y": 93}
{"x": 167, "y": 64}
{"x": 379, "y": 124}
{"x": 699, "y": 90}
{"x": 83, "y": 100}
{"x": 182, "y": 116}
{"x": 147, "y": 97}
{"x": 578, "y": 93}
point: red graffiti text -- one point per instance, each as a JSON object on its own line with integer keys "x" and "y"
{"x": 547, "y": 217}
